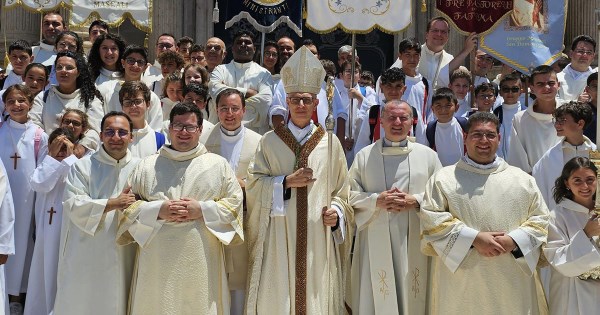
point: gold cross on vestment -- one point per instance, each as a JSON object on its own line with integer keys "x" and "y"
{"x": 52, "y": 212}
{"x": 15, "y": 157}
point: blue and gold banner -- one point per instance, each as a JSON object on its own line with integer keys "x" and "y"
{"x": 529, "y": 35}
{"x": 265, "y": 15}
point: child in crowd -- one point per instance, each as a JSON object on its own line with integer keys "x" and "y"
{"x": 485, "y": 96}
{"x": 460, "y": 84}
{"x": 172, "y": 93}
{"x": 510, "y": 91}
{"x": 445, "y": 134}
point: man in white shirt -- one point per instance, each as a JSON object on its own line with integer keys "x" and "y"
{"x": 153, "y": 73}
{"x": 214, "y": 52}
{"x": 237, "y": 144}
{"x": 95, "y": 195}
{"x": 52, "y": 25}
{"x": 254, "y": 81}
{"x": 574, "y": 76}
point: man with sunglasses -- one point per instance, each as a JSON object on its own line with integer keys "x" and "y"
{"x": 96, "y": 192}
{"x": 190, "y": 207}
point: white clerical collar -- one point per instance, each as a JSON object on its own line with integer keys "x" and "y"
{"x": 511, "y": 106}
{"x": 539, "y": 116}
{"x": 142, "y": 131}
{"x": 70, "y": 96}
{"x": 231, "y": 133}
{"x": 430, "y": 52}
{"x": 586, "y": 145}
{"x": 577, "y": 75}
{"x": 300, "y": 133}
{"x": 489, "y": 166}
{"x": 390, "y": 143}
{"x": 47, "y": 47}
{"x": 240, "y": 65}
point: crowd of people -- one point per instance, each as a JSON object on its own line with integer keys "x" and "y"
{"x": 283, "y": 183}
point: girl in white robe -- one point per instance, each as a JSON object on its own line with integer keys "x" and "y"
{"x": 172, "y": 93}
{"x": 24, "y": 145}
{"x": 104, "y": 58}
{"x": 48, "y": 180}
{"x": 572, "y": 248}
{"x": 75, "y": 89}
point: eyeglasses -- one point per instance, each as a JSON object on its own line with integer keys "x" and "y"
{"x": 133, "y": 61}
{"x": 233, "y": 110}
{"x": 514, "y": 89}
{"x": 134, "y": 102}
{"x": 481, "y": 135}
{"x": 164, "y": 45}
{"x": 559, "y": 121}
{"x": 67, "y": 46}
{"x": 270, "y": 54}
{"x": 111, "y": 133}
{"x": 180, "y": 127}
{"x": 486, "y": 96}
{"x": 68, "y": 121}
{"x": 65, "y": 68}
{"x": 296, "y": 100}
{"x": 584, "y": 52}
{"x": 214, "y": 47}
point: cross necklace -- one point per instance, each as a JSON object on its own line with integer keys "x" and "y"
{"x": 16, "y": 155}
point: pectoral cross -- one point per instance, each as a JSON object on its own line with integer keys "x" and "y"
{"x": 15, "y": 157}
{"x": 52, "y": 212}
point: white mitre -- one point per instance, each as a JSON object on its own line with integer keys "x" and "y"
{"x": 302, "y": 73}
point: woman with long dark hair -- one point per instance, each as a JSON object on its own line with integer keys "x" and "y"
{"x": 104, "y": 58}
{"x": 572, "y": 248}
{"x": 75, "y": 89}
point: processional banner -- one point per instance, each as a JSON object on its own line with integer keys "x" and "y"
{"x": 265, "y": 15}
{"x": 36, "y": 5}
{"x": 358, "y": 16}
{"x": 113, "y": 12}
{"x": 520, "y": 33}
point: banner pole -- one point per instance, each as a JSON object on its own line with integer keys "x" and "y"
{"x": 352, "y": 84}
{"x": 262, "y": 48}
{"x": 473, "y": 76}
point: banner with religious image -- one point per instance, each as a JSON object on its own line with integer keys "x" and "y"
{"x": 37, "y": 5}
{"x": 469, "y": 16}
{"x": 113, "y": 12}
{"x": 358, "y": 16}
{"x": 531, "y": 34}
{"x": 265, "y": 15}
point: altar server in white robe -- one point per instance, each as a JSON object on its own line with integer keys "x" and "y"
{"x": 75, "y": 89}
{"x": 94, "y": 273}
{"x": 484, "y": 222}
{"x": 7, "y": 225}
{"x": 24, "y": 145}
{"x": 510, "y": 92}
{"x": 247, "y": 76}
{"x": 573, "y": 77}
{"x": 570, "y": 121}
{"x": 190, "y": 207}
{"x": 533, "y": 130}
{"x": 20, "y": 56}
{"x": 134, "y": 61}
{"x": 572, "y": 248}
{"x": 52, "y": 25}
{"x": 287, "y": 197}
{"x": 387, "y": 182}
{"x": 48, "y": 180}
{"x": 237, "y": 144}
{"x": 104, "y": 58}
{"x": 135, "y": 98}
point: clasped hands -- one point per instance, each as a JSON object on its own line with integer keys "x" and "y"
{"x": 302, "y": 178}
{"x": 394, "y": 200}
{"x": 182, "y": 210}
{"x": 492, "y": 244}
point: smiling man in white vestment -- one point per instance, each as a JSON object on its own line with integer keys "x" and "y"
{"x": 94, "y": 274}
{"x": 387, "y": 182}
{"x": 484, "y": 222}
{"x": 191, "y": 205}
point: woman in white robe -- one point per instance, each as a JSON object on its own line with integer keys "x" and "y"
{"x": 104, "y": 58}
{"x": 572, "y": 248}
{"x": 75, "y": 89}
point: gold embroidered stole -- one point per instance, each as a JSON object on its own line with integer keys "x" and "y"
{"x": 301, "y": 153}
